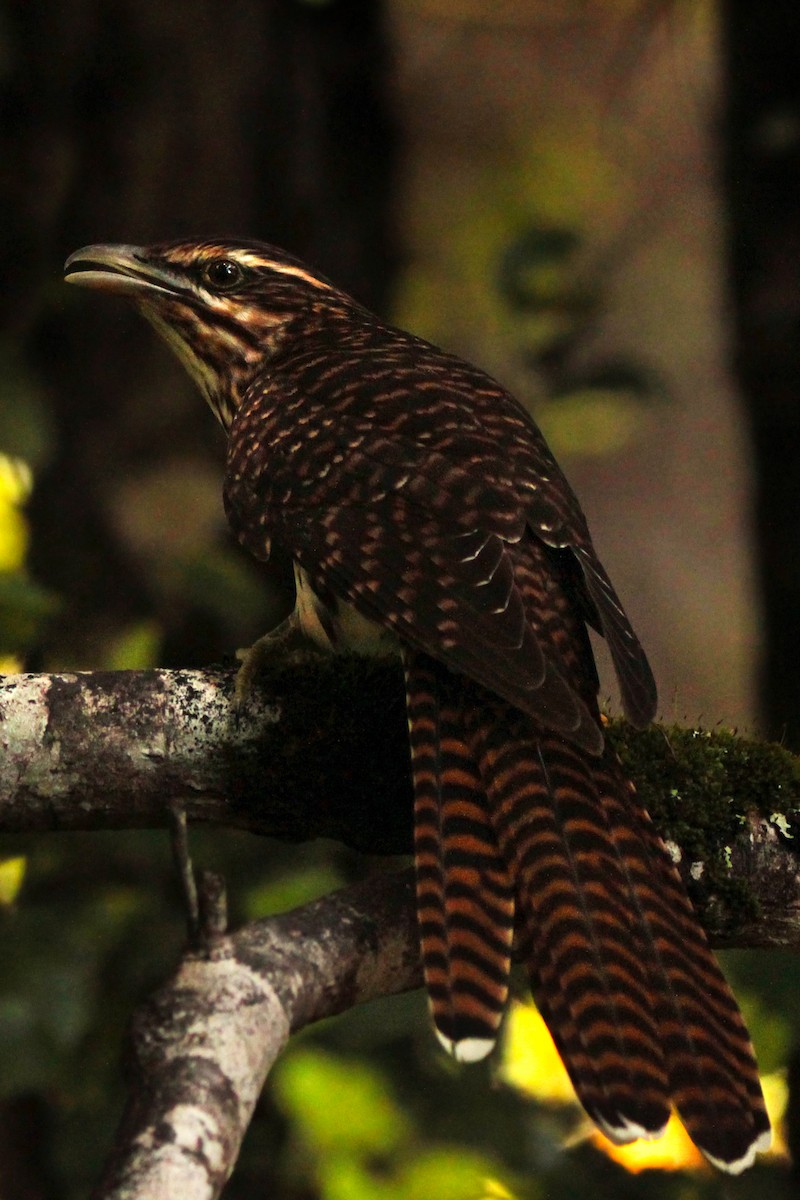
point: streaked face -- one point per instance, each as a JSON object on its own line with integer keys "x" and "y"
{"x": 221, "y": 307}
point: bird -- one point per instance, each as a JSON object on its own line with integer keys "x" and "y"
{"x": 425, "y": 515}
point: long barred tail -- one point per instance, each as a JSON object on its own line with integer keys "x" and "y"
{"x": 510, "y": 816}
{"x": 465, "y": 901}
{"x": 713, "y": 1073}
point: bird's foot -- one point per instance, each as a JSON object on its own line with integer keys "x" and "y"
{"x": 287, "y": 641}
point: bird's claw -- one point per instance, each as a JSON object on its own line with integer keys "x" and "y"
{"x": 287, "y": 642}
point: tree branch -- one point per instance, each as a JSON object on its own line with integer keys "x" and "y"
{"x": 320, "y": 749}
{"x": 203, "y": 1045}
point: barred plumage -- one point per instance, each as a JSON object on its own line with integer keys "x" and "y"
{"x": 465, "y": 897}
{"x": 422, "y": 508}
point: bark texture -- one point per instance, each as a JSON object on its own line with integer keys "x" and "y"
{"x": 203, "y": 1044}
{"x": 320, "y": 750}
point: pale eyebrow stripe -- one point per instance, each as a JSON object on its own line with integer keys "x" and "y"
{"x": 253, "y": 260}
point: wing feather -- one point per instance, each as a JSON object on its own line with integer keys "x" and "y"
{"x": 418, "y": 532}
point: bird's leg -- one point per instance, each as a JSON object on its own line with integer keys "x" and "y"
{"x": 309, "y": 630}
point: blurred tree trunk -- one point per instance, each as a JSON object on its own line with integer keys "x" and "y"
{"x": 138, "y": 121}
{"x": 762, "y": 162}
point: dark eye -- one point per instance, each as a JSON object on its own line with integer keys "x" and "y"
{"x": 222, "y": 273}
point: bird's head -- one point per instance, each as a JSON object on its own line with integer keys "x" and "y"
{"x": 222, "y": 306}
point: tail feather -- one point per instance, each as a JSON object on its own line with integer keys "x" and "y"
{"x": 713, "y": 1074}
{"x": 510, "y": 815}
{"x": 464, "y": 897}
{"x": 586, "y": 1077}
{"x": 586, "y": 967}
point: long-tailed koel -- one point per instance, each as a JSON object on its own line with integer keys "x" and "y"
{"x": 423, "y": 510}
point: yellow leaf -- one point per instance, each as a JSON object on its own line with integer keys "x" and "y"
{"x": 13, "y": 536}
{"x": 776, "y": 1095}
{"x": 15, "y": 487}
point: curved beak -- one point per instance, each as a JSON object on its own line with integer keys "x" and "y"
{"x": 121, "y": 269}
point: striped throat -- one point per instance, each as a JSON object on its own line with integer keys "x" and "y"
{"x": 225, "y": 308}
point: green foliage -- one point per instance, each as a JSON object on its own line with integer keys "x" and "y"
{"x": 596, "y": 410}
{"x": 135, "y": 648}
{"x": 12, "y": 873}
{"x": 535, "y": 271}
{"x": 358, "y": 1143}
{"x": 26, "y": 430}
{"x": 97, "y": 923}
{"x": 364, "y": 1120}
{"x": 24, "y": 606}
{"x": 771, "y": 1025}
{"x": 218, "y": 582}
{"x": 82, "y": 939}
{"x": 286, "y": 890}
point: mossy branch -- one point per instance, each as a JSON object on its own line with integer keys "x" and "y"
{"x": 320, "y": 750}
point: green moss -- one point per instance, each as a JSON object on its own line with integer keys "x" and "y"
{"x": 701, "y": 787}
{"x": 342, "y": 769}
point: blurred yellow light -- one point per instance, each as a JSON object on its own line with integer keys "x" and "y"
{"x": 530, "y": 1061}
{"x": 776, "y": 1095}
{"x": 16, "y": 480}
{"x": 12, "y": 873}
{"x": 675, "y": 1151}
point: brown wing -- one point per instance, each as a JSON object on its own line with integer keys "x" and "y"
{"x": 414, "y": 529}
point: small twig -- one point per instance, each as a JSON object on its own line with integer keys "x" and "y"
{"x": 179, "y": 839}
{"x": 213, "y": 898}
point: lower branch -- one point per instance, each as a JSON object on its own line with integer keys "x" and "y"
{"x": 203, "y": 1045}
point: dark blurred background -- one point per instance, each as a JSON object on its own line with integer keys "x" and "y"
{"x": 596, "y": 200}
